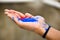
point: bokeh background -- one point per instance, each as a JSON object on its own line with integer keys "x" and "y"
{"x": 10, "y": 31}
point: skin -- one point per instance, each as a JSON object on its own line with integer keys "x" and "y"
{"x": 37, "y": 27}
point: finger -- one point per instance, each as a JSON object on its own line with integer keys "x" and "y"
{"x": 10, "y": 16}
{"x": 28, "y": 15}
{"x": 6, "y": 13}
{"x": 6, "y": 10}
{"x": 18, "y": 13}
{"x": 15, "y": 13}
{"x": 12, "y": 12}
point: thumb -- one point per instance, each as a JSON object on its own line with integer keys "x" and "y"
{"x": 28, "y": 15}
{"x": 39, "y": 17}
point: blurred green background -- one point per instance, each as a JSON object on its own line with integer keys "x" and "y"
{"x": 10, "y": 31}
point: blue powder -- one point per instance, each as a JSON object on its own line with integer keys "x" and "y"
{"x": 28, "y": 20}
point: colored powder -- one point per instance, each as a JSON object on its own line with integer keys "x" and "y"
{"x": 28, "y": 20}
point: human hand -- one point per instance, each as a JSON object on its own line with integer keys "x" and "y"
{"x": 38, "y": 26}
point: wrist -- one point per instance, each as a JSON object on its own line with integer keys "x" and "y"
{"x": 41, "y": 30}
{"x": 46, "y": 31}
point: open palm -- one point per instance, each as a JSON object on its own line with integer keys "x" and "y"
{"x": 26, "y": 25}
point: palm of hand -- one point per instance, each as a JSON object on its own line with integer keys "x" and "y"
{"x": 25, "y": 25}
{"x": 31, "y": 25}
